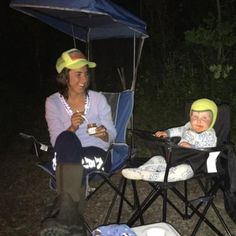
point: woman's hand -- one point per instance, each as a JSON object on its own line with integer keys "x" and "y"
{"x": 76, "y": 120}
{"x": 161, "y": 134}
{"x": 101, "y": 132}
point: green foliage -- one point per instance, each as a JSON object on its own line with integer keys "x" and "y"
{"x": 219, "y": 36}
{"x": 220, "y": 71}
{"x": 162, "y": 97}
{"x": 212, "y": 34}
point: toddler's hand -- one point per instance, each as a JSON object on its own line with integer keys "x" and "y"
{"x": 161, "y": 134}
{"x": 185, "y": 144}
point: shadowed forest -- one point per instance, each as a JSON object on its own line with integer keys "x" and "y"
{"x": 190, "y": 53}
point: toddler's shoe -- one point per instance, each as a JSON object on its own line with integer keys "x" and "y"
{"x": 152, "y": 176}
{"x": 132, "y": 173}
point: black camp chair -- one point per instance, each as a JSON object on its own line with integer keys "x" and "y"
{"x": 122, "y": 107}
{"x": 215, "y": 181}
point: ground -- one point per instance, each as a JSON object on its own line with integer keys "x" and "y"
{"x": 25, "y": 196}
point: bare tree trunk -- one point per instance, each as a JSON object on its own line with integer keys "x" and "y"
{"x": 38, "y": 65}
{"x": 219, "y": 25}
{"x": 141, "y": 8}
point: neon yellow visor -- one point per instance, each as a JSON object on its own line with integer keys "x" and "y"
{"x": 73, "y": 59}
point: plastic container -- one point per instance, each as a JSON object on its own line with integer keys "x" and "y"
{"x": 92, "y": 128}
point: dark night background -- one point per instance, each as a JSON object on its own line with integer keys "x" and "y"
{"x": 190, "y": 54}
{"x": 172, "y": 70}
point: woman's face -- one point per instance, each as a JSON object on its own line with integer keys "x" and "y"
{"x": 200, "y": 121}
{"x": 78, "y": 80}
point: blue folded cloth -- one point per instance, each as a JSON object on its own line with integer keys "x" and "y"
{"x": 114, "y": 230}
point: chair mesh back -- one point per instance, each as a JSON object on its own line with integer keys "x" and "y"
{"x": 122, "y": 106}
{"x": 112, "y": 99}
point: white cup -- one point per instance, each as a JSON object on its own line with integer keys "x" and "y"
{"x": 156, "y": 232}
{"x": 92, "y": 129}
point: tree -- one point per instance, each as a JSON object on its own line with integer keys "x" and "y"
{"x": 218, "y": 35}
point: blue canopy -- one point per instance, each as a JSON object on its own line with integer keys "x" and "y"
{"x": 84, "y": 19}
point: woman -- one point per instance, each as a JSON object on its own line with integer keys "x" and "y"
{"x": 68, "y": 114}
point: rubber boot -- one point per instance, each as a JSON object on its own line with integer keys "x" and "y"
{"x": 63, "y": 218}
{"x": 69, "y": 179}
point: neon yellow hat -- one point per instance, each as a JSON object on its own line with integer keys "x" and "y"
{"x": 205, "y": 104}
{"x": 73, "y": 59}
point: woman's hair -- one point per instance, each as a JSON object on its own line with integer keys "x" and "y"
{"x": 62, "y": 82}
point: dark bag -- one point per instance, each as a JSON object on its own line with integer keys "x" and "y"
{"x": 230, "y": 183}
{"x": 230, "y": 204}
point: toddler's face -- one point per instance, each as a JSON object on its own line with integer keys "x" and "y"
{"x": 200, "y": 121}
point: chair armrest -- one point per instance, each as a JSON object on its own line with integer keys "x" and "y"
{"x": 37, "y": 145}
{"x": 169, "y": 141}
{"x": 149, "y": 136}
{"x": 119, "y": 153}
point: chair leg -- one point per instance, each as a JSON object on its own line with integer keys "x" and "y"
{"x": 137, "y": 202}
{"x": 153, "y": 195}
{"x": 210, "y": 197}
{"x": 221, "y": 219}
{"x": 164, "y": 205}
{"x": 114, "y": 201}
{"x": 119, "y": 191}
{"x": 124, "y": 183}
{"x": 201, "y": 215}
{"x": 106, "y": 179}
{"x": 186, "y": 200}
{"x": 202, "y": 218}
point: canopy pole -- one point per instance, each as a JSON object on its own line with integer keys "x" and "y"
{"x": 73, "y": 35}
{"x": 134, "y": 58}
{"x": 121, "y": 74}
{"x": 92, "y": 75}
{"x": 137, "y": 63}
{"x": 131, "y": 122}
{"x": 88, "y": 44}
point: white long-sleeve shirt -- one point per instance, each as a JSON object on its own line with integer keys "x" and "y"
{"x": 98, "y": 111}
{"x": 204, "y": 139}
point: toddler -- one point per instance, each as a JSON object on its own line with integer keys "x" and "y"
{"x": 197, "y": 133}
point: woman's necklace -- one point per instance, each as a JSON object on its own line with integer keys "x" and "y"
{"x": 69, "y": 109}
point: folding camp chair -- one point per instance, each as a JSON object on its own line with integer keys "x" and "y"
{"x": 122, "y": 107}
{"x": 120, "y": 150}
{"x": 198, "y": 206}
